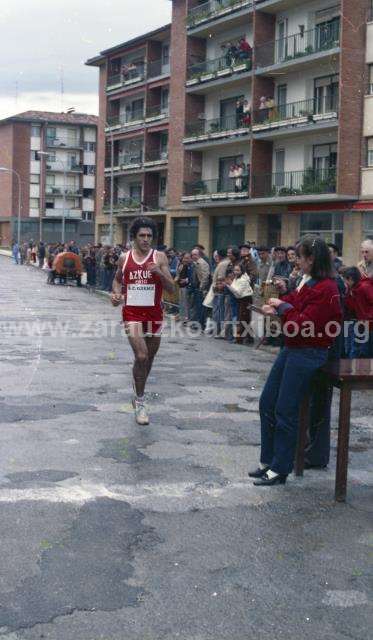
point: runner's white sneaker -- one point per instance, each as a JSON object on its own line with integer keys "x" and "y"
{"x": 141, "y": 415}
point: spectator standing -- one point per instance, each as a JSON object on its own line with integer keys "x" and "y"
{"x": 282, "y": 268}
{"x": 173, "y": 261}
{"x": 239, "y": 285}
{"x": 184, "y": 280}
{"x": 336, "y": 260}
{"x": 366, "y": 264}
{"x": 41, "y": 254}
{"x": 218, "y": 305}
{"x": 200, "y": 285}
{"x": 89, "y": 262}
{"x": 359, "y": 301}
{"x": 264, "y": 264}
{"x": 15, "y": 252}
{"x": 248, "y": 263}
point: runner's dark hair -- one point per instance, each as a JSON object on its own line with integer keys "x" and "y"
{"x": 141, "y": 223}
{"x": 316, "y": 247}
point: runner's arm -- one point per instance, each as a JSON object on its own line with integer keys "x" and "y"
{"x": 164, "y": 273}
{"x": 116, "y": 295}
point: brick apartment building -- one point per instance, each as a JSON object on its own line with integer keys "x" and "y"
{"x": 54, "y": 155}
{"x": 294, "y": 113}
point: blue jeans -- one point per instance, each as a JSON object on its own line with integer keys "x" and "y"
{"x": 287, "y": 383}
{"x": 363, "y": 349}
{"x": 218, "y": 311}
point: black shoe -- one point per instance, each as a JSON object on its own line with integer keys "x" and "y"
{"x": 258, "y": 473}
{"x": 308, "y": 465}
{"x": 264, "y": 481}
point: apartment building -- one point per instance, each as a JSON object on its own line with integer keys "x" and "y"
{"x": 270, "y": 131}
{"x": 52, "y": 177}
{"x": 133, "y": 133}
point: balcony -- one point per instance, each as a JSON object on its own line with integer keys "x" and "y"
{"x": 156, "y": 157}
{"x": 221, "y": 68}
{"x": 130, "y": 75}
{"x": 295, "y": 183}
{"x": 71, "y": 192}
{"x": 72, "y": 214}
{"x": 126, "y": 120}
{"x": 300, "y": 47}
{"x": 127, "y": 162}
{"x": 157, "y": 68}
{"x": 295, "y": 114}
{"x": 122, "y": 206}
{"x": 64, "y": 142}
{"x": 220, "y": 189}
{"x": 227, "y": 127}
{"x": 69, "y": 167}
{"x": 208, "y": 11}
{"x": 155, "y": 203}
{"x": 156, "y": 113}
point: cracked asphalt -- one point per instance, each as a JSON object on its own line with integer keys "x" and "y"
{"x": 109, "y": 531}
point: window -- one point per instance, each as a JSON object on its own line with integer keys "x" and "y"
{"x": 51, "y": 157}
{"x": 228, "y": 230}
{"x": 88, "y": 193}
{"x": 35, "y": 155}
{"x": 51, "y": 132}
{"x": 89, "y": 170}
{"x": 368, "y": 224}
{"x": 370, "y": 87}
{"x": 34, "y": 203}
{"x": 49, "y": 204}
{"x": 165, "y": 54}
{"x": 326, "y": 93}
{"x": 279, "y": 178}
{"x": 34, "y": 178}
{"x": 35, "y": 131}
{"x": 136, "y": 192}
{"x": 185, "y": 233}
{"x": 328, "y": 226}
{"x": 324, "y": 157}
{"x": 87, "y": 216}
{"x": 50, "y": 179}
{"x": 164, "y": 100}
{"x": 230, "y": 118}
{"x": 163, "y": 186}
{"x": 370, "y": 152}
{"x": 163, "y": 145}
{"x": 89, "y": 146}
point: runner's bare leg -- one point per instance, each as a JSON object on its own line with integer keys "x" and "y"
{"x": 140, "y": 350}
{"x": 153, "y": 344}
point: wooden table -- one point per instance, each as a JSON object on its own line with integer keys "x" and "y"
{"x": 348, "y": 376}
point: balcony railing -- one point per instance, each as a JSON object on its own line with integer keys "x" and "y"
{"x": 61, "y": 213}
{"x": 74, "y": 192}
{"x": 130, "y": 159}
{"x": 123, "y": 204}
{"x": 72, "y": 143}
{"x": 213, "y": 69}
{"x": 157, "y": 68}
{"x": 157, "y": 111}
{"x": 156, "y": 155}
{"x": 129, "y": 75}
{"x": 218, "y": 126}
{"x": 59, "y": 167}
{"x": 126, "y": 119}
{"x": 295, "y": 183}
{"x": 304, "y": 110}
{"x": 220, "y": 188}
{"x": 299, "y": 45}
{"x": 214, "y": 9}
{"x": 154, "y": 203}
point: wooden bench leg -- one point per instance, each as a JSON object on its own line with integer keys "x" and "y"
{"x": 302, "y": 435}
{"x": 343, "y": 442}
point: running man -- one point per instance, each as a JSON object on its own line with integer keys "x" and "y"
{"x": 141, "y": 277}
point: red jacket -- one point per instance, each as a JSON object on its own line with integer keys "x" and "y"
{"x": 359, "y": 300}
{"x": 308, "y": 312}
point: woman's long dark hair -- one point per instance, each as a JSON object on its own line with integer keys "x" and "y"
{"x": 316, "y": 247}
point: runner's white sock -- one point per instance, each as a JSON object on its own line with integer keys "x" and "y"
{"x": 262, "y": 466}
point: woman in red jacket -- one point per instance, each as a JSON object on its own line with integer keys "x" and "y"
{"x": 359, "y": 300}
{"x": 311, "y": 318}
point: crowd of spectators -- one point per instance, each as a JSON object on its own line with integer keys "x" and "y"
{"x": 220, "y": 291}
{"x": 236, "y": 52}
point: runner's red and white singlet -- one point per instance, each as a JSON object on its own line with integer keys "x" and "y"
{"x": 142, "y": 292}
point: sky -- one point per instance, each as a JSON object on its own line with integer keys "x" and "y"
{"x": 44, "y": 44}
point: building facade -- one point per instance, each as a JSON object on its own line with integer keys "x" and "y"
{"x": 54, "y": 155}
{"x": 270, "y": 129}
{"x": 133, "y": 134}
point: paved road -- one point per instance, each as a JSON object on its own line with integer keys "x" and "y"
{"x": 110, "y": 531}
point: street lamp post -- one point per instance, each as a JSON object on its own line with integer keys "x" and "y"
{"x": 45, "y": 154}
{"x": 7, "y": 169}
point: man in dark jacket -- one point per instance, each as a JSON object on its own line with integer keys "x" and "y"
{"x": 359, "y": 300}
{"x": 41, "y": 254}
